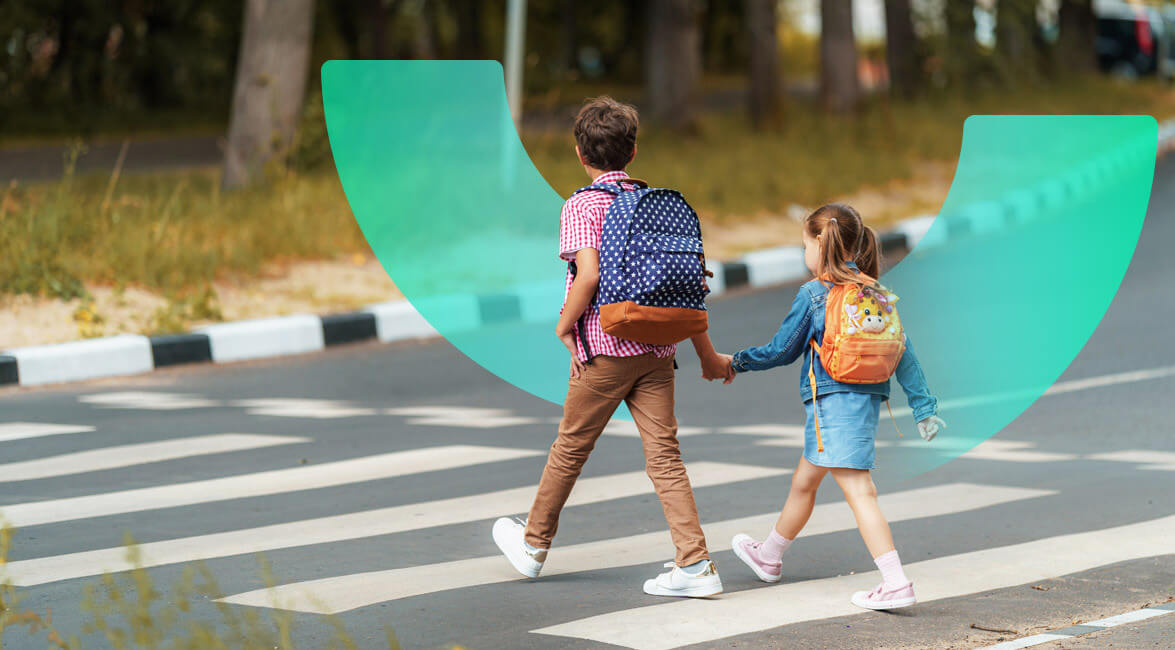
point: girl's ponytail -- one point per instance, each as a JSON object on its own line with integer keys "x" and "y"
{"x": 869, "y": 257}
{"x": 844, "y": 238}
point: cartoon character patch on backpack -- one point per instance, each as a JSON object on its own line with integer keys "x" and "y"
{"x": 863, "y": 338}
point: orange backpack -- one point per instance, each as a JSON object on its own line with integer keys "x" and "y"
{"x": 863, "y": 339}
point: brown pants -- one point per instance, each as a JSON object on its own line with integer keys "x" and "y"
{"x": 645, "y": 383}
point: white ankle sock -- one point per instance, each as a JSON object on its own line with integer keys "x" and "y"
{"x": 891, "y": 569}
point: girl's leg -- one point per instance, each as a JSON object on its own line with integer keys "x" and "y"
{"x": 800, "y": 500}
{"x": 765, "y": 558}
{"x": 861, "y": 494}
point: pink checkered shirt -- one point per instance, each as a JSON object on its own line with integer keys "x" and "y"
{"x": 580, "y": 226}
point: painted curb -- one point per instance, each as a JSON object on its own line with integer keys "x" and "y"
{"x": 399, "y": 320}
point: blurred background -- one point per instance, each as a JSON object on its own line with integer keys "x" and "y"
{"x": 165, "y": 163}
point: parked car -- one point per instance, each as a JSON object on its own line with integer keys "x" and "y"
{"x": 1135, "y": 40}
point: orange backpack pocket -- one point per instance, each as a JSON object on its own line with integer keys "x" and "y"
{"x": 864, "y": 361}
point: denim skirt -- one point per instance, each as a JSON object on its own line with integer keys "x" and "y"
{"x": 848, "y": 426}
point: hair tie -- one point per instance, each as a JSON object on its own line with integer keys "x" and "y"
{"x": 832, "y": 220}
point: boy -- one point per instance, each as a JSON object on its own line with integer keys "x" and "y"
{"x": 639, "y": 374}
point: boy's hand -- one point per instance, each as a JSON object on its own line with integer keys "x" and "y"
{"x": 929, "y": 427}
{"x": 567, "y": 337}
{"x": 717, "y": 366}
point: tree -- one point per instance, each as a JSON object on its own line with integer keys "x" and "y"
{"x": 1018, "y": 45}
{"x": 900, "y": 56}
{"x": 270, "y": 84}
{"x": 1075, "y": 42}
{"x": 962, "y": 51}
{"x": 673, "y": 62}
{"x": 762, "y": 23}
{"x": 839, "y": 87}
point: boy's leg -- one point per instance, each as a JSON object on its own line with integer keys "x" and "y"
{"x": 591, "y": 399}
{"x": 651, "y": 404}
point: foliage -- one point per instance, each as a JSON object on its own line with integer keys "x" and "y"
{"x": 128, "y": 610}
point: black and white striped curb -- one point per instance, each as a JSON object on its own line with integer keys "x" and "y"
{"x": 396, "y": 321}
{"x": 1085, "y": 628}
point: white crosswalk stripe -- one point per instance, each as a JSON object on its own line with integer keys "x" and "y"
{"x": 147, "y": 401}
{"x": 1152, "y": 460}
{"x": 138, "y": 454}
{"x": 343, "y": 472}
{"x": 680, "y": 623}
{"x": 24, "y": 430}
{"x": 357, "y": 525}
{"x": 343, "y": 593}
{"x": 459, "y": 416}
{"x": 303, "y": 408}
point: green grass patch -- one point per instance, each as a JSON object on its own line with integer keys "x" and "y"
{"x": 729, "y": 172}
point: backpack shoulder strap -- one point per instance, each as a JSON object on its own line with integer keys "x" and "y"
{"x": 613, "y": 187}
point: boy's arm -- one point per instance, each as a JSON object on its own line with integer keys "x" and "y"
{"x": 583, "y": 287}
{"x": 788, "y": 343}
{"x": 913, "y": 382}
{"x": 714, "y": 365}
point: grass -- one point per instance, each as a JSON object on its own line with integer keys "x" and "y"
{"x": 128, "y": 610}
{"x": 729, "y": 172}
{"x": 175, "y": 233}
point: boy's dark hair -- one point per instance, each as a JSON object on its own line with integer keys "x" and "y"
{"x": 605, "y": 131}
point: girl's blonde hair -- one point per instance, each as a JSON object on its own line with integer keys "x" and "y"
{"x": 844, "y": 238}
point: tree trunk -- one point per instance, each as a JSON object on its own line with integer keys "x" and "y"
{"x": 899, "y": 48}
{"x": 762, "y": 23}
{"x": 962, "y": 50}
{"x": 673, "y": 62}
{"x": 839, "y": 87}
{"x": 1016, "y": 30}
{"x": 469, "y": 29}
{"x": 271, "y": 82}
{"x": 1075, "y": 44}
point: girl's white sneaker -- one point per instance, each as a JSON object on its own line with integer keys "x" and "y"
{"x": 679, "y": 583}
{"x": 509, "y": 536}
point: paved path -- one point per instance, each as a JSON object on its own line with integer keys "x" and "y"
{"x": 369, "y": 477}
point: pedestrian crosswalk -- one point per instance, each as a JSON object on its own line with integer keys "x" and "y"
{"x": 457, "y": 484}
{"x": 686, "y": 622}
{"x": 340, "y": 594}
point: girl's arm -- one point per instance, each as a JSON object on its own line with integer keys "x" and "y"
{"x": 913, "y": 382}
{"x": 788, "y": 343}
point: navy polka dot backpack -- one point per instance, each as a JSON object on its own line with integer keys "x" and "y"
{"x": 652, "y": 268}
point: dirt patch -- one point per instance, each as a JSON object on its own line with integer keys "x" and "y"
{"x": 923, "y": 193}
{"x": 302, "y": 288}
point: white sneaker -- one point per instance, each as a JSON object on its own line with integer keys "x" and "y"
{"x": 508, "y": 535}
{"x": 680, "y": 583}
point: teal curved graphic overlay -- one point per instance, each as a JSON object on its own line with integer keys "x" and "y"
{"x": 1017, "y": 270}
{"x": 453, "y": 208}
{"x": 999, "y": 295}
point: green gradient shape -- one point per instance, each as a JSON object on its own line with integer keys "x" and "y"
{"x": 999, "y": 297}
{"x": 1014, "y": 275}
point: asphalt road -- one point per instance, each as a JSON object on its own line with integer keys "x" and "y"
{"x": 1079, "y": 487}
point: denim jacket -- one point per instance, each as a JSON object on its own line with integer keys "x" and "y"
{"x": 804, "y": 323}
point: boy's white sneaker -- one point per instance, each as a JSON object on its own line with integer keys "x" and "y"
{"x": 679, "y": 583}
{"x": 509, "y": 536}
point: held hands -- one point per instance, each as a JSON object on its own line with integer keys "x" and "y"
{"x": 717, "y": 366}
{"x": 567, "y": 337}
{"x": 929, "y": 427}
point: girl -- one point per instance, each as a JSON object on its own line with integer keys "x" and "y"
{"x": 838, "y": 249}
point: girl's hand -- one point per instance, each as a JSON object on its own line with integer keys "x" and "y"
{"x": 929, "y": 427}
